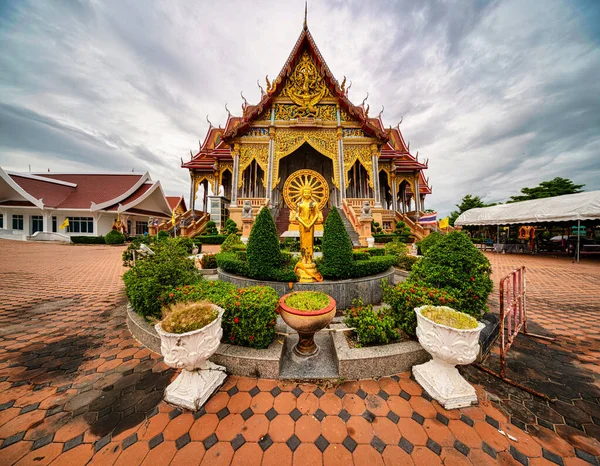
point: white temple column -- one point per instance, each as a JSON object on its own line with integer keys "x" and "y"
{"x": 394, "y": 194}
{"x": 417, "y": 196}
{"x": 375, "y": 175}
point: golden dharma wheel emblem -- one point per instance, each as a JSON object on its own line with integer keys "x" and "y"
{"x": 298, "y": 181}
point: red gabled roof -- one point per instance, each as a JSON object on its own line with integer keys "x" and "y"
{"x": 80, "y": 190}
{"x": 96, "y": 188}
{"x": 304, "y": 42}
{"x": 52, "y": 194}
{"x": 174, "y": 201}
{"x": 143, "y": 189}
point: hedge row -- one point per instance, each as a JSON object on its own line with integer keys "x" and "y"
{"x": 210, "y": 239}
{"x": 384, "y": 237}
{"x": 372, "y": 266}
{"x": 88, "y": 239}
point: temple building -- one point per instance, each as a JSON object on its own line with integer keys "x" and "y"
{"x": 35, "y": 206}
{"x": 305, "y": 120}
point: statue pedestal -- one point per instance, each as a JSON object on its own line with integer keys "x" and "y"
{"x": 364, "y": 235}
{"x": 246, "y": 228}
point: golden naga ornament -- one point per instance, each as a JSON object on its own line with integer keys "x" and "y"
{"x": 306, "y": 193}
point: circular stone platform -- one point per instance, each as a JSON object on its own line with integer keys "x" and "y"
{"x": 343, "y": 291}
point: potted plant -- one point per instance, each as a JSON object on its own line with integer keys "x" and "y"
{"x": 452, "y": 338}
{"x": 190, "y": 333}
{"x": 307, "y": 312}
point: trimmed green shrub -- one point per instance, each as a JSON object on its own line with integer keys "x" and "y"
{"x": 360, "y": 255}
{"x": 88, "y": 239}
{"x": 454, "y": 263}
{"x": 209, "y": 261}
{"x": 210, "y": 229}
{"x": 163, "y": 235}
{"x": 406, "y": 262}
{"x": 186, "y": 243}
{"x": 232, "y": 241}
{"x": 290, "y": 244}
{"x": 406, "y": 296}
{"x": 428, "y": 242}
{"x": 114, "y": 237}
{"x": 230, "y": 227}
{"x": 229, "y": 262}
{"x": 403, "y": 232}
{"x": 149, "y": 278}
{"x": 337, "y": 248}
{"x": 250, "y": 313}
{"x": 374, "y": 251}
{"x": 210, "y": 239}
{"x": 374, "y": 265}
{"x": 384, "y": 238}
{"x": 396, "y": 248}
{"x": 371, "y": 328}
{"x": 263, "y": 247}
{"x": 375, "y": 227}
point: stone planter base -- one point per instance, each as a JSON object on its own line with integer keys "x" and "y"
{"x": 191, "y": 389}
{"x": 444, "y": 383}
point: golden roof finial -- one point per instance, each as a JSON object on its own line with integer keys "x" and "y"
{"x": 305, "y": 14}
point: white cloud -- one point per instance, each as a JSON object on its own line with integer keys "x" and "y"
{"x": 497, "y": 95}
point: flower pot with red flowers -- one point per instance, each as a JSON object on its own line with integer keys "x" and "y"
{"x": 307, "y": 312}
{"x": 190, "y": 333}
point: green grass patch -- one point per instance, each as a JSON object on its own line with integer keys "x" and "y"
{"x": 449, "y": 317}
{"x": 307, "y": 300}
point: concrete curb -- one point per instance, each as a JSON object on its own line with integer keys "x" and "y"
{"x": 343, "y": 291}
{"x": 375, "y": 361}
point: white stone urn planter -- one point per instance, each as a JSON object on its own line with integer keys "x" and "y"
{"x": 190, "y": 351}
{"x": 448, "y": 347}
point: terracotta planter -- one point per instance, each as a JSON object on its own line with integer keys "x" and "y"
{"x": 448, "y": 347}
{"x": 306, "y": 323}
{"x": 190, "y": 351}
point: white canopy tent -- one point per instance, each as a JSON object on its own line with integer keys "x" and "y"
{"x": 568, "y": 208}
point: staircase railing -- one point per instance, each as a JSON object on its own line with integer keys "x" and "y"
{"x": 417, "y": 230}
{"x": 351, "y": 214}
{"x": 196, "y": 226}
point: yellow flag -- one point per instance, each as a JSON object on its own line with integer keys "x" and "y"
{"x": 444, "y": 223}
{"x": 173, "y": 218}
{"x": 64, "y": 224}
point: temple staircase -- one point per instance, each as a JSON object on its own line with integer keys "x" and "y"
{"x": 350, "y": 229}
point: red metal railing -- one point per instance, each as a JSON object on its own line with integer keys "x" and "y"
{"x": 513, "y": 317}
{"x": 513, "y": 311}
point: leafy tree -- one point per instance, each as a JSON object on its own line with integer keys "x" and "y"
{"x": 468, "y": 202}
{"x": 556, "y": 187}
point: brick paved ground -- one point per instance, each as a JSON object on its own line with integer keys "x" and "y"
{"x": 75, "y": 388}
{"x": 563, "y": 302}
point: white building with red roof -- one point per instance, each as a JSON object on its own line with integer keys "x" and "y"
{"x": 34, "y": 206}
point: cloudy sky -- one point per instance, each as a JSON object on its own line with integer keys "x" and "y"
{"x": 497, "y": 95}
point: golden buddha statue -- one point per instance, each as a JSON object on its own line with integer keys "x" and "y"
{"x": 306, "y": 192}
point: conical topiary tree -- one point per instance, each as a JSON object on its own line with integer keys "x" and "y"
{"x": 337, "y": 248}
{"x": 263, "y": 253}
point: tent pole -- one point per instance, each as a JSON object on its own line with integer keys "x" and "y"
{"x": 578, "y": 236}
{"x": 497, "y": 239}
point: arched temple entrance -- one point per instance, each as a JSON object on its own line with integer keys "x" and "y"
{"x": 305, "y": 157}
